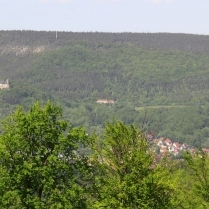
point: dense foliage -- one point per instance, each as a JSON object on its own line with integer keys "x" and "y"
{"x": 128, "y": 176}
{"x": 45, "y": 163}
{"x": 40, "y": 167}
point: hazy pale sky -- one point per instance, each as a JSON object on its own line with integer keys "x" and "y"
{"x": 173, "y": 16}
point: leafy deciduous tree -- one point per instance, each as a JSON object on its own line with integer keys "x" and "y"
{"x": 128, "y": 176}
{"x": 40, "y": 164}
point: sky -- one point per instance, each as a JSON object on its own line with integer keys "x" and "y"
{"x": 171, "y": 16}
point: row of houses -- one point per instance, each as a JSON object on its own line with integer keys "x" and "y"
{"x": 166, "y": 146}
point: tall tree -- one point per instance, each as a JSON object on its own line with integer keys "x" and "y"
{"x": 128, "y": 176}
{"x": 198, "y": 169}
{"x": 40, "y": 162}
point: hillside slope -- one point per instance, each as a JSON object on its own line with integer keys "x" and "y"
{"x": 164, "y": 71}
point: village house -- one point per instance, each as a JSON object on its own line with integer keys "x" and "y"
{"x": 168, "y": 142}
{"x": 150, "y": 137}
{"x": 160, "y": 142}
{"x": 205, "y": 150}
{"x": 4, "y": 85}
{"x": 163, "y": 149}
{"x": 176, "y": 146}
{"x": 184, "y": 146}
{"x": 105, "y": 101}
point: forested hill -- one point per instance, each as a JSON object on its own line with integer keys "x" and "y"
{"x": 159, "y": 80}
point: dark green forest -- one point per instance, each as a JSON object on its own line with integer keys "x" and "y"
{"x": 159, "y": 81}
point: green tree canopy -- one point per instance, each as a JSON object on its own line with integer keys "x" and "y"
{"x": 198, "y": 168}
{"x": 40, "y": 162}
{"x": 129, "y": 177}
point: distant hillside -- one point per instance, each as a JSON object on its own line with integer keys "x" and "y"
{"x": 151, "y": 76}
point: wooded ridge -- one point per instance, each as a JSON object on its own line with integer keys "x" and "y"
{"x": 159, "y": 80}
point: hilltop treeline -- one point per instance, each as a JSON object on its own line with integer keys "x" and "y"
{"x": 163, "y": 41}
{"x": 160, "y": 80}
